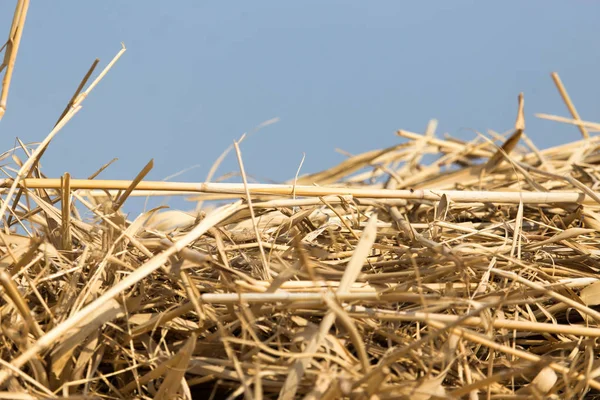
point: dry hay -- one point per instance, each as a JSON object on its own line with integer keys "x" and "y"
{"x": 436, "y": 268}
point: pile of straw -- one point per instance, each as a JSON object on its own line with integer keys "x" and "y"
{"x": 433, "y": 269}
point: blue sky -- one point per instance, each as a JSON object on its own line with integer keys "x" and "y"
{"x": 339, "y": 74}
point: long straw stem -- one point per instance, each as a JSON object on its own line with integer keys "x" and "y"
{"x": 462, "y": 196}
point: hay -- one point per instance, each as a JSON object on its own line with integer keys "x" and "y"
{"x": 436, "y": 268}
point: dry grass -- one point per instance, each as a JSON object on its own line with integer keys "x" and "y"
{"x": 387, "y": 276}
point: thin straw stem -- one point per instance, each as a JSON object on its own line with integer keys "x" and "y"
{"x": 513, "y": 197}
{"x": 12, "y": 48}
{"x": 565, "y": 96}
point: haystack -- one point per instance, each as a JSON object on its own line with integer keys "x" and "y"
{"x": 433, "y": 269}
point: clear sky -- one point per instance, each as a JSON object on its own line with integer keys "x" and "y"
{"x": 338, "y": 74}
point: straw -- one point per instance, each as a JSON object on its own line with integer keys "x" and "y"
{"x": 433, "y": 268}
